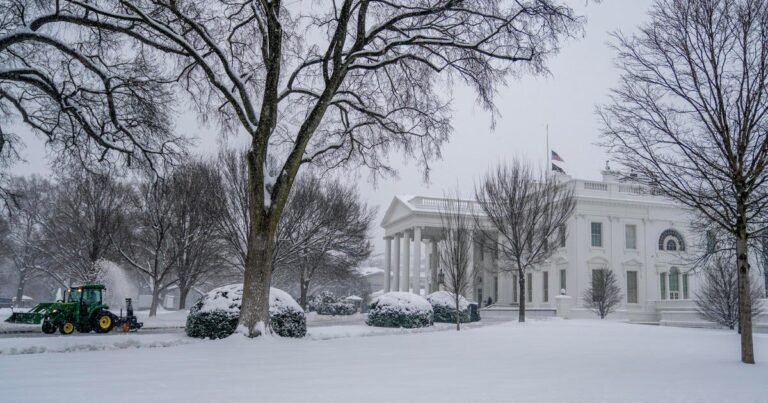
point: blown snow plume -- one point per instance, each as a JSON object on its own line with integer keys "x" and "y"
{"x": 119, "y": 285}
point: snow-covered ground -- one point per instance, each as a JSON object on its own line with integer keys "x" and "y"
{"x": 550, "y": 360}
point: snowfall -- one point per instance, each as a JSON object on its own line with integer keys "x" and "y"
{"x": 343, "y": 360}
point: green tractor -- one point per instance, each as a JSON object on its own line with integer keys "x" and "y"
{"x": 81, "y": 310}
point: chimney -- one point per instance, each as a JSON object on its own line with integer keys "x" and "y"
{"x": 610, "y": 175}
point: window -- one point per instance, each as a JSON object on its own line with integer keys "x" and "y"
{"x": 630, "y": 236}
{"x": 529, "y": 287}
{"x": 671, "y": 240}
{"x": 674, "y": 283}
{"x": 74, "y": 295}
{"x": 515, "y": 286}
{"x": 597, "y": 234}
{"x": 631, "y": 287}
{"x": 663, "y": 285}
{"x": 671, "y": 245}
{"x": 562, "y": 279}
{"x": 685, "y": 285}
{"x": 545, "y": 286}
{"x": 561, "y": 235}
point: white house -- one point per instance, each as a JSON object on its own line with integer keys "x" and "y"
{"x": 621, "y": 226}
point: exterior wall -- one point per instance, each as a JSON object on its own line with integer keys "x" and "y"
{"x": 616, "y": 205}
{"x": 610, "y": 202}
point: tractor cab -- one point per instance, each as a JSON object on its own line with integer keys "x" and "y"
{"x": 87, "y": 294}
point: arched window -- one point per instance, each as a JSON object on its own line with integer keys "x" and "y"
{"x": 671, "y": 244}
{"x": 671, "y": 240}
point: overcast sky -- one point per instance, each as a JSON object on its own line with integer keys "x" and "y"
{"x": 581, "y": 76}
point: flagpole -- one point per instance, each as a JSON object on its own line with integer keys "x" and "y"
{"x": 549, "y": 156}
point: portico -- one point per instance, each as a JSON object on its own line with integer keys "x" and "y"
{"x": 413, "y": 235}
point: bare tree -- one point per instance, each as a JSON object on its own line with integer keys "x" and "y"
{"x": 529, "y": 212}
{"x": 150, "y": 248}
{"x": 457, "y": 227}
{"x": 197, "y": 211}
{"x": 24, "y": 232}
{"x": 604, "y": 294}
{"x": 235, "y": 226}
{"x": 74, "y": 87}
{"x": 368, "y": 82}
{"x": 85, "y": 217}
{"x": 717, "y": 300}
{"x": 689, "y": 117}
{"x": 324, "y": 232}
{"x": 321, "y": 216}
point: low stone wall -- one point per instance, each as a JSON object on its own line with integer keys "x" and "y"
{"x": 512, "y": 312}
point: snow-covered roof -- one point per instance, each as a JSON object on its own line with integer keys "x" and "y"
{"x": 369, "y": 271}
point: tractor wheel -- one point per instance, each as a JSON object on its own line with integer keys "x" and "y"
{"x": 67, "y": 327}
{"x": 102, "y": 322}
{"x": 48, "y": 327}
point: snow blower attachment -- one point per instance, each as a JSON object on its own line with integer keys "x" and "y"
{"x": 82, "y": 310}
{"x": 129, "y": 322}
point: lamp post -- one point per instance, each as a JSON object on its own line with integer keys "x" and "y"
{"x": 440, "y": 279}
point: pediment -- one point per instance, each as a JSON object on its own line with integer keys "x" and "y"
{"x": 397, "y": 209}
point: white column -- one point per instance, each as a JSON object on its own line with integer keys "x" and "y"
{"x": 387, "y": 263}
{"x": 407, "y": 260}
{"x": 416, "y": 272}
{"x": 471, "y": 268}
{"x": 396, "y": 269}
{"x": 488, "y": 275}
{"x": 433, "y": 267}
{"x": 505, "y": 291}
{"x": 427, "y": 267}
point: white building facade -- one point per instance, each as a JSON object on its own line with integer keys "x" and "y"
{"x": 643, "y": 238}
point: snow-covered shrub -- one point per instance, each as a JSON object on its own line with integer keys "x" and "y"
{"x": 337, "y": 308}
{"x": 327, "y": 303}
{"x": 400, "y": 309}
{"x": 444, "y": 307}
{"x": 474, "y": 312}
{"x": 216, "y": 314}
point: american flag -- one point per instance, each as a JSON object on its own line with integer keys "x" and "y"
{"x": 556, "y": 156}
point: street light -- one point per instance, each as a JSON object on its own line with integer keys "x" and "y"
{"x": 441, "y": 278}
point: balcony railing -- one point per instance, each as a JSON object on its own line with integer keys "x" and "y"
{"x": 437, "y": 203}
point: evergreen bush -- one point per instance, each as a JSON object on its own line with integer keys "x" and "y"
{"x": 400, "y": 309}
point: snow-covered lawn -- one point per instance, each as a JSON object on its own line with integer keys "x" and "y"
{"x": 555, "y": 360}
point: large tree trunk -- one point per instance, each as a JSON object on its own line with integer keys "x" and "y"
{"x": 183, "y": 293}
{"x": 303, "y": 291}
{"x": 155, "y": 300}
{"x": 458, "y": 312}
{"x": 745, "y": 307}
{"x": 521, "y": 309}
{"x": 20, "y": 290}
{"x": 254, "y": 313}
